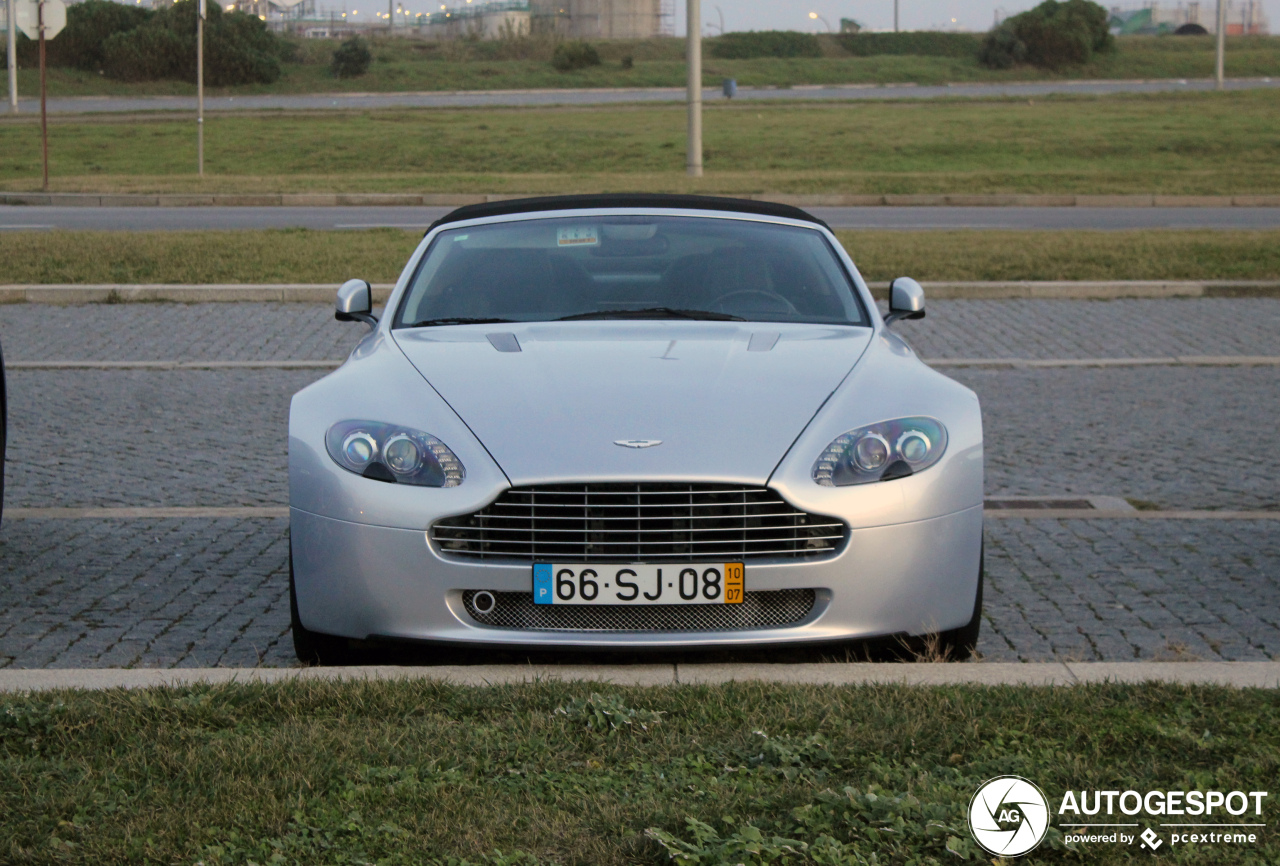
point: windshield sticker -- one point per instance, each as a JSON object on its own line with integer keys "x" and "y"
{"x": 578, "y": 236}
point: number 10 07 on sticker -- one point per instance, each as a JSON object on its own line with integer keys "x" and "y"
{"x": 638, "y": 583}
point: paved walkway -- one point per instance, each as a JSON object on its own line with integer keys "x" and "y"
{"x": 607, "y": 96}
{"x": 209, "y": 589}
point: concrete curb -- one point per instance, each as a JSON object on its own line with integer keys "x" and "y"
{"x": 109, "y": 293}
{"x": 391, "y": 199}
{"x": 1234, "y": 674}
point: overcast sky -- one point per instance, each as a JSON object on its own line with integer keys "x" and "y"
{"x": 878, "y": 14}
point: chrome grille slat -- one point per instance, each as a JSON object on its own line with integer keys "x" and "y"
{"x": 664, "y": 531}
{"x": 642, "y": 517}
{"x": 638, "y": 522}
{"x": 759, "y": 610}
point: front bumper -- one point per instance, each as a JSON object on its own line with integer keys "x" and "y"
{"x": 361, "y": 581}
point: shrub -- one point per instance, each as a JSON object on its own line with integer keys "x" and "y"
{"x": 575, "y": 54}
{"x": 352, "y": 59}
{"x": 80, "y": 44}
{"x": 765, "y": 43}
{"x": 238, "y": 48}
{"x": 1052, "y": 35}
{"x": 1002, "y": 49}
{"x": 920, "y": 43}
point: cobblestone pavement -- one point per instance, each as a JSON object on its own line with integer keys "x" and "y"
{"x": 196, "y": 593}
{"x": 953, "y": 329}
{"x": 213, "y": 591}
{"x": 149, "y": 593}
{"x": 1182, "y": 437}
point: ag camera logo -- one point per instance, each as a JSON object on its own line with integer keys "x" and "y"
{"x": 1008, "y": 816}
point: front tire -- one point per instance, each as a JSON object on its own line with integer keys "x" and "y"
{"x": 311, "y": 647}
{"x": 959, "y": 644}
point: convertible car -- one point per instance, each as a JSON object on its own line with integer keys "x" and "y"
{"x": 633, "y": 422}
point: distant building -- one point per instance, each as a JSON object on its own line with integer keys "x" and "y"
{"x": 497, "y": 19}
{"x": 506, "y": 18}
{"x": 604, "y": 19}
{"x": 1244, "y": 17}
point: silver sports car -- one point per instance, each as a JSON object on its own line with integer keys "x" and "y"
{"x": 633, "y": 421}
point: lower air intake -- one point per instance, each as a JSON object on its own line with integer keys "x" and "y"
{"x": 759, "y": 610}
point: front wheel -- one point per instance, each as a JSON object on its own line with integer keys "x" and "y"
{"x": 311, "y": 647}
{"x": 958, "y": 644}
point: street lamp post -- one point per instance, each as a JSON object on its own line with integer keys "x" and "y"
{"x": 693, "y": 163}
{"x": 816, "y": 17}
{"x": 200, "y": 88}
{"x": 1222, "y": 41}
{"x": 895, "y": 16}
{"x": 12, "y": 31}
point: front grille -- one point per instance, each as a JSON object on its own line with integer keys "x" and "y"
{"x": 766, "y": 609}
{"x": 638, "y": 523}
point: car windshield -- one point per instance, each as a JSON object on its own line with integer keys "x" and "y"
{"x": 630, "y": 267}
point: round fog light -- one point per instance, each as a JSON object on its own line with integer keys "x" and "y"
{"x": 359, "y": 448}
{"x": 484, "y": 602}
{"x": 871, "y": 452}
{"x": 913, "y": 446}
{"x": 402, "y": 454}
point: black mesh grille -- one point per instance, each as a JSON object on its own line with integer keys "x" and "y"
{"x": 767, "y": 609}
{"x": 638, "y": 523}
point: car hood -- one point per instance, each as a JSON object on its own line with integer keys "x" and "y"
{"x": 550, "y": 400}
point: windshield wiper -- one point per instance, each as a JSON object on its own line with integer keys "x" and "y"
{"x": 655, "y": 313}
{"x": 455, "y": 320}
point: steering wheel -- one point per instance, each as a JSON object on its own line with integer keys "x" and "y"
{"x": 773, "y": 296}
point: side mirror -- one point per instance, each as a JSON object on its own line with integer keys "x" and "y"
{"x": 355, "y": 303}
{"x": 906, "y": 300}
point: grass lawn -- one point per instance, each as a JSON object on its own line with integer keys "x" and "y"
{"x": 1168, "y": 143}
{"x": 305, "y": 256}
{"x": 392, "y": 773}
{"x": 410, "y": 65}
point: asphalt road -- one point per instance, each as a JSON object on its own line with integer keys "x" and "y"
{"x": 18, "y": 218}
{"x": 462, "y": 99}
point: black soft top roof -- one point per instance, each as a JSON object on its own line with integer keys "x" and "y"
{"x": 625, "y": 200}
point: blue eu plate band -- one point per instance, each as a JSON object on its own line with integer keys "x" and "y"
{"x": 542, "y": 583}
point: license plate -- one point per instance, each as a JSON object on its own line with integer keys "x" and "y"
{"x": 638, "y": 583}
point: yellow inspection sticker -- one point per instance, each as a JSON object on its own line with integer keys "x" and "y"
{"x": 577, "y": 236}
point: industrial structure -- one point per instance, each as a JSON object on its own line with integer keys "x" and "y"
{"x": 1244, "y": 17}
{"x": 575, "y": 19}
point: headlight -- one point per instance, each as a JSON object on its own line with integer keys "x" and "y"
{"x": 387, "y": 452}
{"x": 881, "y": 452}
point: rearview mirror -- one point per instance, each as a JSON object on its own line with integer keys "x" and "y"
{"x": 906, "y": 300}
{"x": 355, "y": 303}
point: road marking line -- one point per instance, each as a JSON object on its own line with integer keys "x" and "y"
{"x": 1134, "y": 514}
{"x": 130, "y": 513}
{"x": 277, "y": 511}
{"x": 1170, "y": 361}
{"x": 173, "y": 365}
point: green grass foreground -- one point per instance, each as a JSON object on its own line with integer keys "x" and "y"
{"x": 378, "y": 255}
{"x": 420, "y": 772}
{"x": 1194, "y": 144}
{"x": 418, "y": 65}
